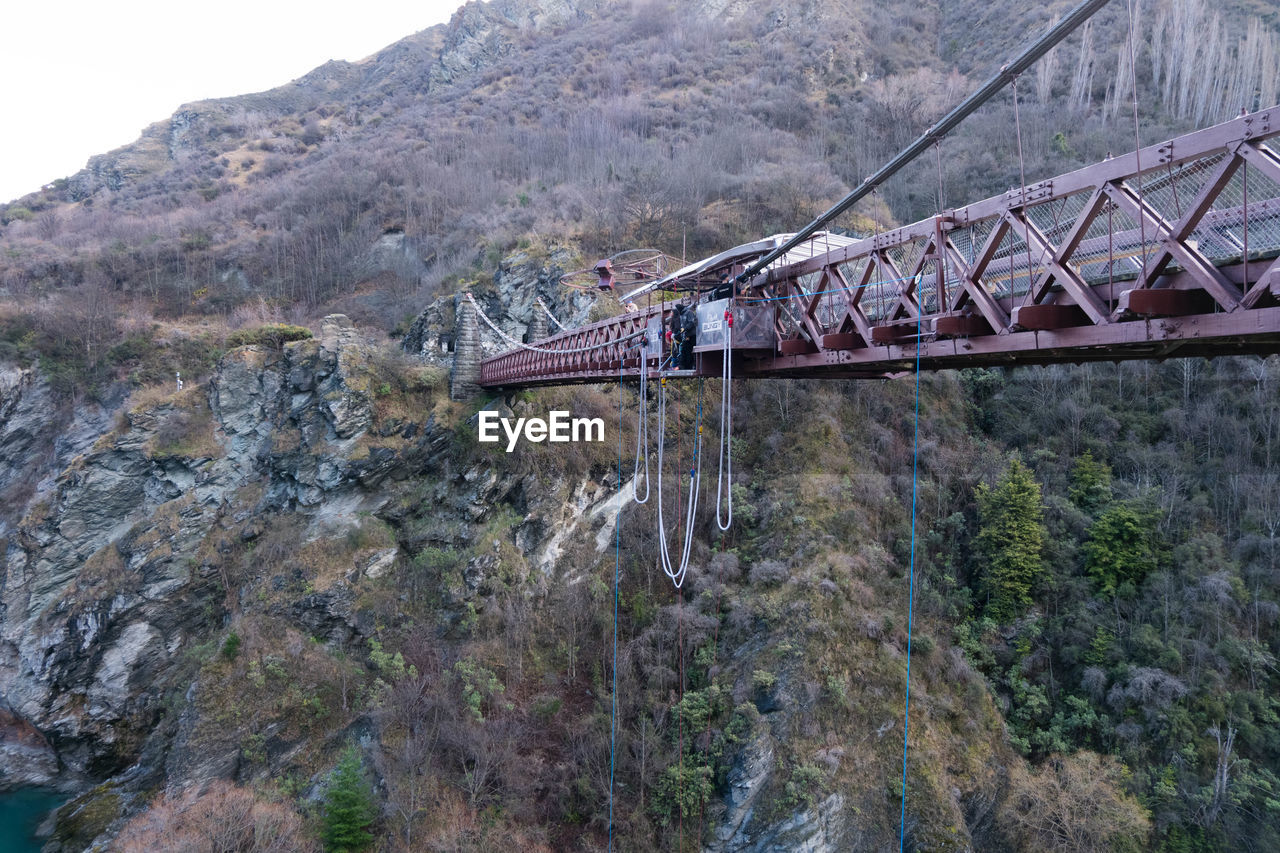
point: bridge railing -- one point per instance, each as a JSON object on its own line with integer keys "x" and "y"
{"x": 594, "y": 351}
{"x": 1170, "y": 249}
{"x": 1192, "y": 215}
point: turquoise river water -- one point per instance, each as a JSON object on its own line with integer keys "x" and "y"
{"x": 20, "y": 813}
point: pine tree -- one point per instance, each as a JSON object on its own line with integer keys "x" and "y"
{"x": 1090, "y": 484}
{"x": 1010, "y": 541}
{"x": 1120, "y": 548}
{"x": 349, "y": 806}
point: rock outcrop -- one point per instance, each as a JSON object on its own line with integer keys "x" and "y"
{"x": 114, "y": 582}
{"x": 104, "y": 590}
{"x": 481, "y": 33}
{"x": 511, "y": 302}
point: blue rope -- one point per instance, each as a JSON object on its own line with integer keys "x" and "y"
{"x": 617, "y": 570}
{"x": 911, "y": 596}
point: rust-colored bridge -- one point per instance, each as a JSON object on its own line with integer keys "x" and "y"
{"x": 1168, "y": 251}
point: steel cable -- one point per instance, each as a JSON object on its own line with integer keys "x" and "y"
{"x": 552, "y": 317}
{"x": 522, "y": 345}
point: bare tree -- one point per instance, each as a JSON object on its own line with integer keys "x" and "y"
{"x": 1046, "y": 71}
{"x": 1072, "y": 803}
{"x": 1221, "y": 773}
{"x": 1205, "y": 73}
{"x": 48, "y": 224}
{"x": 1082, "y": 80}
{"x": 220, "y": 817}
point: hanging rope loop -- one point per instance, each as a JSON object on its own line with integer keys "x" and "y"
{"x": 724, "y": 477}
{"x": 677, "y": 569}
{"x": 642, "y": 428}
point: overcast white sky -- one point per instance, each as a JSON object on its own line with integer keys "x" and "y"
{"x": 81, "y": 78}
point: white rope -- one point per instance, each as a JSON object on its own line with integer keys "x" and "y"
{"x": 677, "y": 574}
{"x": 523, "y": 345}
{"x": 544, "y": 307}
{"x": 724, "y": 479}
{"x": 642, "y": 428}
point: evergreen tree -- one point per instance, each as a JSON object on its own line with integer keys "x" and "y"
{"x": 349, "y": 806}
{"x": 1010, "y": 540}
{"x": 1090, "y": 484}
{"x": 1120, "y": 548}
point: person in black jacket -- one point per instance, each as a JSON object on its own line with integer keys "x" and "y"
{"x": 682, "y": 332}
{"x": 724, "y": 289}
{"x": 675, "y": 334}
{"x": 689, "y": 331}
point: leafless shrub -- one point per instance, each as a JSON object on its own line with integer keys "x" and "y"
{"x": 958, "y": 669}
{"x": 1072, "y": 803}
{"x": 723, "y": 566}
{"x": 1154, "y": 688}
{"x": 768, "y": 573}
{"x": 1094, "y": 681}
{"x": 221, "y": 817}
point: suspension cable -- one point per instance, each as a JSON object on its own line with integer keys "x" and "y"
{"x": 617, "y": 573}
{"x": 1244, "y": 253}
{"x": 522, "y": 345}
{"x": 547, "y": 310}
{"x": 724, "y": 477}
{"x": 1137, "y": 144}
{"x": 1111, "y": 255}
{"x": 911, "y": 596}
{"x": 937, "y": 150}
{"x": 1022, "y": 201}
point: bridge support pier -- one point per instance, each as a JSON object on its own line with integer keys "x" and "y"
{"x": 538, "y": 326}
{"x": 465, "y": 375}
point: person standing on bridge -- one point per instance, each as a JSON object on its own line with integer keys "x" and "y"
{"x": 673, "y": 332}
{"x": 688, "y": 336}
{"x": 724, "y": 289}
{"x": 682, "y": 331}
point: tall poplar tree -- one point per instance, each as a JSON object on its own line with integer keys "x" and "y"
{"x": 1010, "y": 540}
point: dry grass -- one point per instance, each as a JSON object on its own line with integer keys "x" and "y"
{"x": 164, "y": 523}
{"x": 218, "y": 816}
{"x": 101, "y": 577}
{"x": 148, "y": 397}
{"x": 282, "y": 681}
{"x": 189, "y": 429}
{"x": 454, "y": 825}
{"x": 326, "y": 562}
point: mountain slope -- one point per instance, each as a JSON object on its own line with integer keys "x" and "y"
{"x": 688, "y": 127}
{"x": 305, "y": 547}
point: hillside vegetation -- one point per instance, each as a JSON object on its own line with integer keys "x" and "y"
{"x": 687, "y": 127}
{"x": 296, "y": 605}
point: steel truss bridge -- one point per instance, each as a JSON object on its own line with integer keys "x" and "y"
{"x": 1171, "y": 250}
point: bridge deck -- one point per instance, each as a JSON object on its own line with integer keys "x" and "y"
{"x": 1114, "y": 261}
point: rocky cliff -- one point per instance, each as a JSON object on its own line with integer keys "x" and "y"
{"x": 104, "y": 589}
{"x": 130, "y": 564}
{"x": 509, "y": 298}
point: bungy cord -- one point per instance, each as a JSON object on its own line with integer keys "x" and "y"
{"x": 724, "y": 479}
{"x": 677, "y": 574}
{"x": 642, "y": 428}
